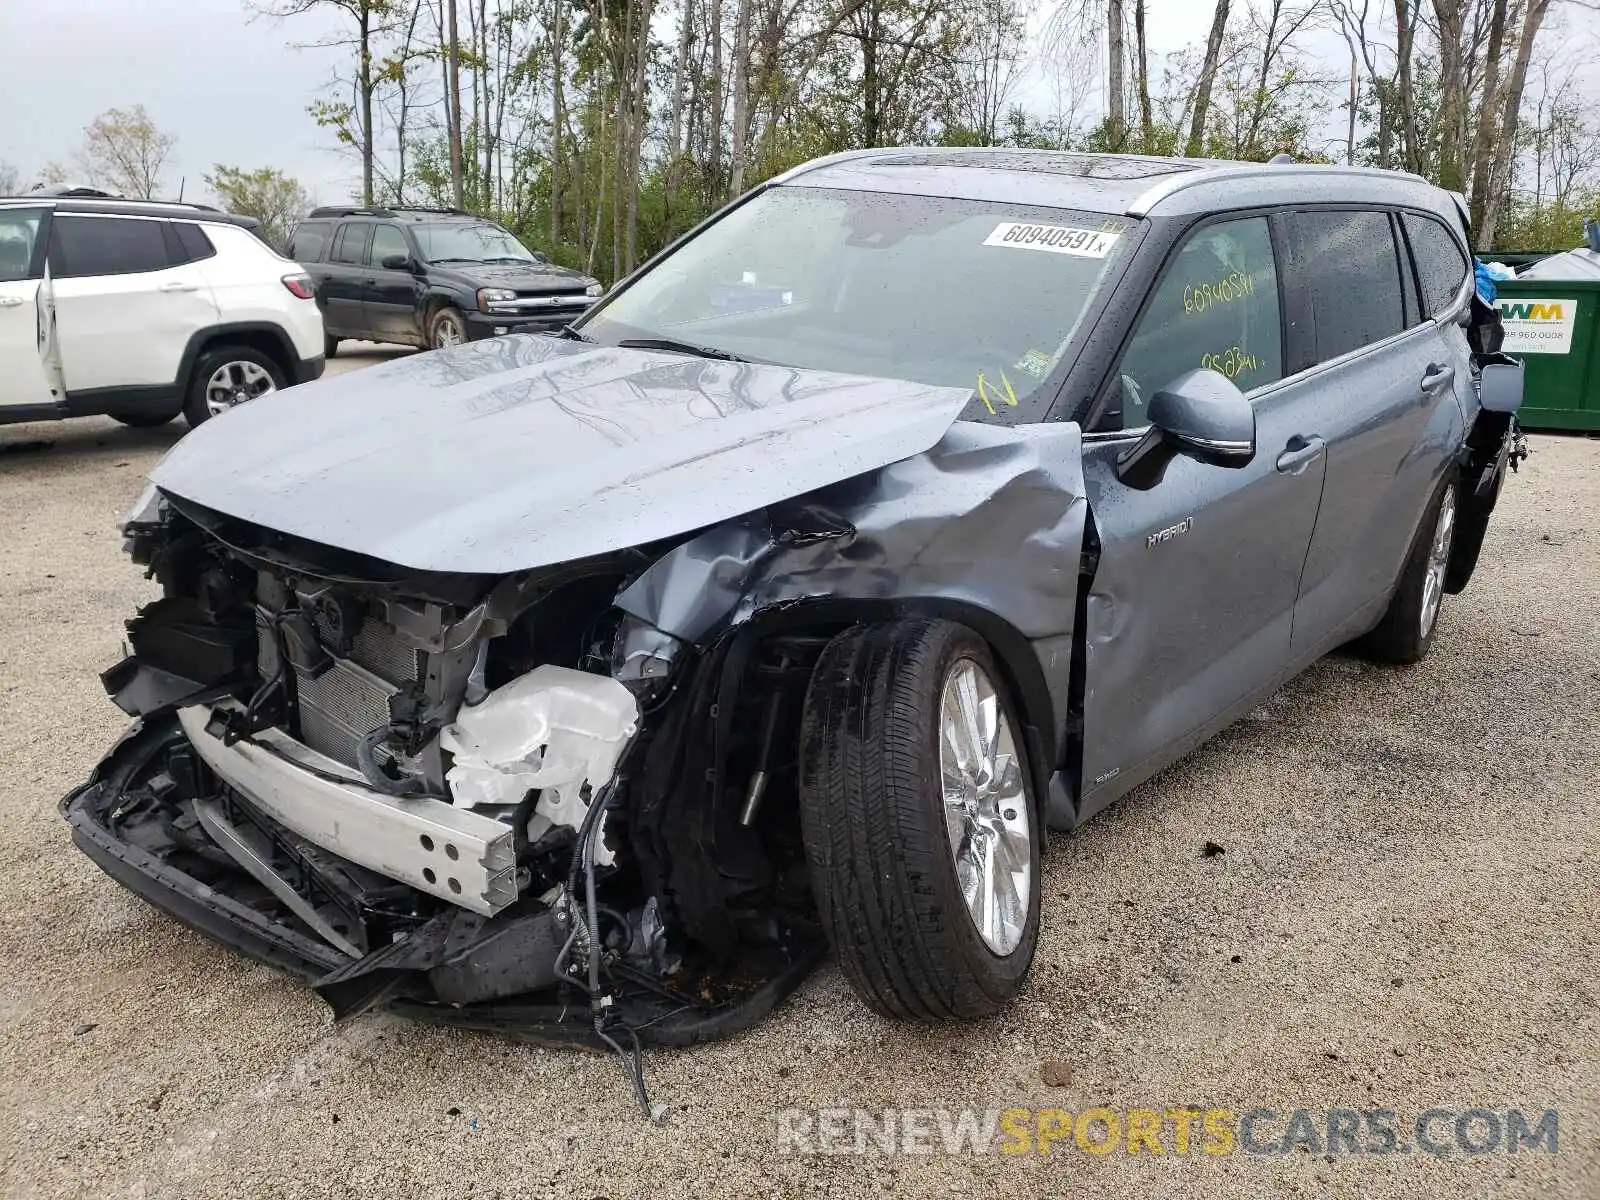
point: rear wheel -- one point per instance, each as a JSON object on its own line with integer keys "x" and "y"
{"x": 1405, "y": 634}
{"x": 919, "y": 822}
{"x": 229, "y": 376}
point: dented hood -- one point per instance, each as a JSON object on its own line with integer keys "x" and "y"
{"x": 520, "y": 452}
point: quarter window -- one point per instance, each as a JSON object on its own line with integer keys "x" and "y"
{"x": 1352, "y": 279}
{"x": 1441, "y": 263}
{"x": 1215, "y": 308}
{"x": 82, "y": 246}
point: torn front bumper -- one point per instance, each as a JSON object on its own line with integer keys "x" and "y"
{"x": 493, "y": 972}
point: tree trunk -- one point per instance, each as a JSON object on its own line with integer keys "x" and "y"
{"x": 453, "y": 104}
{"x": 1208, "y": 79}
{"x": 1452, "y": 116}
{"x": 364, "y": 84}
{"x": 741, "y": 97}
{"x": 1116, "y": 81}
{"x": 1142, "y": 75}
{"x": 1488, "y": 117}
{"x": 1506, "y": 137}
{"x": 714, "y": 110}
{"x": 1405, "y": 38}
{"x": 557, "y": 120}
{"x": 679, "y": 75}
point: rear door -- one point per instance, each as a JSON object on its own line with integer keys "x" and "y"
{"x": 1385, "y": 376}
{"x": 124, "y": 315}
{"x": 22, "y": 375}
{"x": 344, "y": 283}
{"x": 390, "y": 306}
{"x": 1191, "y": 611}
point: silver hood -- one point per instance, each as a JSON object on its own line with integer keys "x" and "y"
{"x": 520, "y": 452}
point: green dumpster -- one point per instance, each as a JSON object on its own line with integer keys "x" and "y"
{"x": 1551, "y": 324}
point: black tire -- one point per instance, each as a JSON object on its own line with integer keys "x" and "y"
{"x": 330, "y": 345}
{"x": 143, "y": 420}
{"x": 196, "y": 409}
{"x": 872, "y": 814}
{"x": 1400, "y": 636}
{"x": 447, "y": 318}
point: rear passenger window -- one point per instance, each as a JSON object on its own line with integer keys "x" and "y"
{"x": 308, "y": 241}
{"x": 1216, "y": 307}
{"x": 349, "y": 247}
{"x": 1441, "y": 263}
{"x": 1352, "y": 278}
{"x": 81, "y": 245}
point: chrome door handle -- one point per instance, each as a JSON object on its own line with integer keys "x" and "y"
{"x": 10, "y": 301}
{"x": 179, "y": 287}
{"x": 1300, "y": 453}
{"x": 1437, "y": 376}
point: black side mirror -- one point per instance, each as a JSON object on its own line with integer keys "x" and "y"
{"x": 395, "y": 262}
{"x": 1201, "y": 415}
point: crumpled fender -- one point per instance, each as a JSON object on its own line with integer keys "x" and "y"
{"x": 988, "y": 523}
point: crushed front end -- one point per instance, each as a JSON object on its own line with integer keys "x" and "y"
{"x": 498, "y": 802}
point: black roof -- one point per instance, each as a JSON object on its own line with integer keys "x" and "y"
{"x": 172, "y": 209}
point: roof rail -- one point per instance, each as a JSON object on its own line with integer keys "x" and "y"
{"x": 346, "y": 210}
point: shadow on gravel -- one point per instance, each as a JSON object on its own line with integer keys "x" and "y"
{"x": 86, "y": 436}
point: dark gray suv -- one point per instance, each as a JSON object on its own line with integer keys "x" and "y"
{"x": 594, "y": 685}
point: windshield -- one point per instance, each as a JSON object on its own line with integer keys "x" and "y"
{"x": 962, "y": 293}
{"x": 460, "y": 242}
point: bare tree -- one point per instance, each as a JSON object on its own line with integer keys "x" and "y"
{"x": 1116, "y": 80}
{"x": 124, "y": 152}
{"x": 1510, "y": 111}
{"x": 10, "y": 179}
{"x": 352, "y": 123}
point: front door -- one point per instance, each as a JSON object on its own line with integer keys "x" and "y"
{"x": 390, "y": 306}
{"x": 1192, "y": 609}
{"x": 22, "y": 376}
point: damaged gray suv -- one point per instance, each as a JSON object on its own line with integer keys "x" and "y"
{"x": 593, "y": 686}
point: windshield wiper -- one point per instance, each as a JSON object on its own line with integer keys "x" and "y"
{"x": 506, "y": 258}
{"x": 656, "y": 343}
{"x": 445, "y": 260}
{"x": 572, "y": 335}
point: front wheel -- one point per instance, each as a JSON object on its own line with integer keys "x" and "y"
{"x": 449, "y": 328}
{"x": 229, "y": 376}
{"x": 919, "y": 821}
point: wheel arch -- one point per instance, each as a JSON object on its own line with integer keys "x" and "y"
{"x": 1015, "y": 657}
{"x": 262, "y": 336}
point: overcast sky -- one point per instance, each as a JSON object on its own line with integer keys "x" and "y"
{"x": 231, "y": 89}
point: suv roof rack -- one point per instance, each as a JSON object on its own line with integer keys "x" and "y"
{"x": 351, "y": 210}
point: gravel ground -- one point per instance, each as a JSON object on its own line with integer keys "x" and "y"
{"x": 1403, "y": 917}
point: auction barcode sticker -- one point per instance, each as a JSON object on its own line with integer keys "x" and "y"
{"x": 1056, "y": 239}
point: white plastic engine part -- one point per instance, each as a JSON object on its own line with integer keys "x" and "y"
{"x": 554, "y": 729}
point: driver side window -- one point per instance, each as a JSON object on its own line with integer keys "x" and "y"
{"x": 1215, "y": 307}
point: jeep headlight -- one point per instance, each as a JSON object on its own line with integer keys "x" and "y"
{"x": 488, "y": 296}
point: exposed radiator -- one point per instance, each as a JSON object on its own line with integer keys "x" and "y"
{"x": 350, "y": 699}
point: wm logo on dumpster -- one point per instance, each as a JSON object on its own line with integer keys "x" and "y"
{"x": 1531, "y": 312}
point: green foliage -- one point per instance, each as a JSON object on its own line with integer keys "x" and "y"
{"x": 268, "y": 195}
{"x": 1554, "y": 226}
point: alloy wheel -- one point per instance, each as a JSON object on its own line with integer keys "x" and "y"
{"x": 985, "y": 806}
{"x": 235, "y": 382}
{"x": 1444, "y": 532}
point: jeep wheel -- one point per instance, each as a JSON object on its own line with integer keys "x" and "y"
{"x": 226, "y": 377}
{"x": 919, "y": 823}
{"x": 1405, "y": 634}
{"x": 449, "y": 328}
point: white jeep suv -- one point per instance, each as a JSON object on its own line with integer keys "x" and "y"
{"x": 142, "y": 311}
